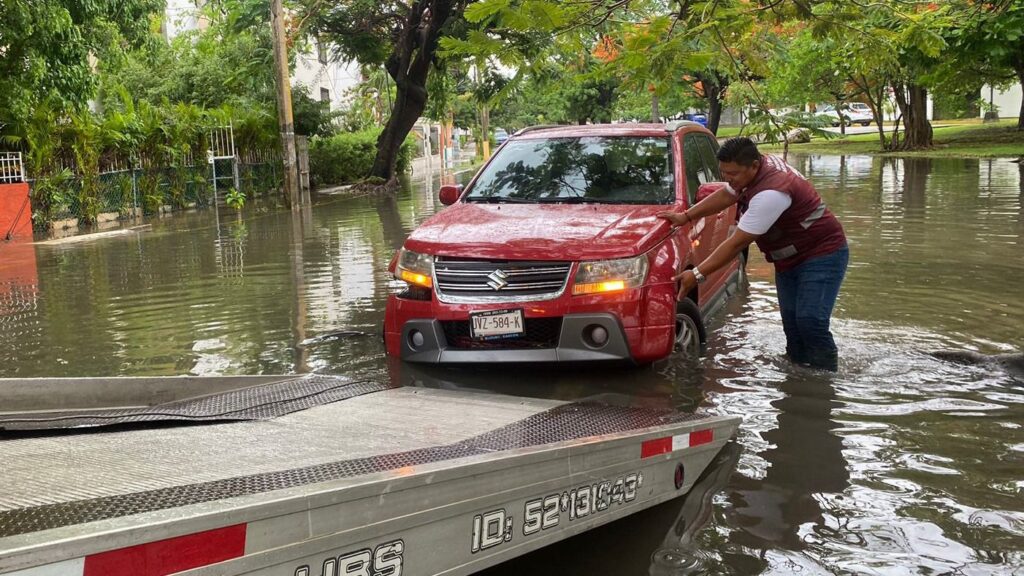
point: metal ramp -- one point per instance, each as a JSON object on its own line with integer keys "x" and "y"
{"x": 403, "y": 481}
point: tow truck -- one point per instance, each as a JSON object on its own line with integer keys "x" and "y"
{"x": 319, "y": 475}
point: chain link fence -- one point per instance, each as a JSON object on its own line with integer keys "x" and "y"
{"x": 124, "y": 190}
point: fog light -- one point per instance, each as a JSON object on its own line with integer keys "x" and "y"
{"x": 416, "y": 338}
{"x": 595, "y": 335}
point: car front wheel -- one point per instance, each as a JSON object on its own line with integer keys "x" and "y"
{"x": 690, "y": 335}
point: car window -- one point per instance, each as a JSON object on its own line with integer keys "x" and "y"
{"x": 709, "y": 151}
{"x": 614, "y": 170}
{"x": 695, "y": 173}
{"x": 698, "y": 169}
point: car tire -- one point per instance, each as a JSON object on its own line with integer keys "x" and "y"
{"x": 865, "y": 124}
{"x": 690, "y": 335}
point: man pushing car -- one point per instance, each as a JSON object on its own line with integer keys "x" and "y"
{"x": 782, "y": 212}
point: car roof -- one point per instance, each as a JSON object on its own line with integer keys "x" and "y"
{"x": 624, "y": 129}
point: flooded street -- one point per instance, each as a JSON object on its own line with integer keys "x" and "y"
{"x": 899, "y": 464}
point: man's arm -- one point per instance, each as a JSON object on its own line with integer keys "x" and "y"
{"x": 713, "y": 204}
{"x": 760, "y": 216}
{"x": 722, "y": 255}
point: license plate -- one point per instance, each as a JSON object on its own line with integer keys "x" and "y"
{"x": 496, "y": 324}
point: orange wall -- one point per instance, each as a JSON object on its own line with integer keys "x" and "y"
{"x": 19, "y": 282}
{"x": 12, "y": 198}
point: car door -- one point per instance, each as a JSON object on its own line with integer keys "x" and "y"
{"x": 719, "y": 227}
{"x": 697, "y": 173}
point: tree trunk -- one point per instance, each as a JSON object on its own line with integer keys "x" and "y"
{"x": 655, "y": 114}
{"x": 840, "y": 108}
{"x": 1019, "y": 67}
{"x": 913, "y": 103}
{"x": 714, "y": 87}
{"x": 876, "y": 100}
{"x": 409, "y": 64}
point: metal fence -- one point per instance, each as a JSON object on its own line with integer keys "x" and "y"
{"x": 124, "y": 190}
{"x": 11, "y": 168}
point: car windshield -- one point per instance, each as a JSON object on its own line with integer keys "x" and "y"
{"x": 608, "y": 170}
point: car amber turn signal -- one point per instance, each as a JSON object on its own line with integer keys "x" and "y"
{"x": 604, "y": 276}
{"x": 598, "y": 287}
{"x": 417, "y": 279}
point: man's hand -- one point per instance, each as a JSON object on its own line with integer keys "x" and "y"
{"x": 687, "y": 283}
{"x": 674, "y": 218}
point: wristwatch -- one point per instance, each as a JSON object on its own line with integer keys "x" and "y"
{"x": 696, "y": 274}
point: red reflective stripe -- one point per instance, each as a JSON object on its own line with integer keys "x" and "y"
{"x": 655, "y": 447}
{"x": 701, "y": 437}
{"x": 171, "y": 555}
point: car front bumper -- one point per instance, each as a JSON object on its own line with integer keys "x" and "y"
{"x": 424, "y": 340}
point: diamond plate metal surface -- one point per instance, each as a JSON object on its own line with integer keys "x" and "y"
{"x": 253, "y": 403}
{"x": 561, "y": 423}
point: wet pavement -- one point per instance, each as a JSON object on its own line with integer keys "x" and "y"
{"x": 898, "y": 464}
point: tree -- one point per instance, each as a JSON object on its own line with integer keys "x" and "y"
{"x": 230, "y": 61}
{"x": 45, "y": 46}
{"x": 404, "y": 38}
{"x": 986, "y": 44}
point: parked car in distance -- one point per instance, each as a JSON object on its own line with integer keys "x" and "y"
{"x": 553, "y": 252}
{"x": 500, "y": 135}
{"x": 697, "y": 117}
{"x": 854, "y": 114}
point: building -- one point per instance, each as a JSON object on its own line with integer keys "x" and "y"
{"x": 1007, "y": 103}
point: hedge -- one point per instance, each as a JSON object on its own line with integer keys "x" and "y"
{"x": 347, "y": 157}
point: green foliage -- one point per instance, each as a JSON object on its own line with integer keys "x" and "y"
{"x": 149, "y": 189}
{"x": 51, "y": 197}
{"x": 347, "y": 157}
{"x": 234, "y": 199}
{"x": 46, "y": 45}
{"x": 86, "y": 143}
{"x": 775, "y": 127}
{"x": 230, "y": 61}
{"x": 312, "y": 117}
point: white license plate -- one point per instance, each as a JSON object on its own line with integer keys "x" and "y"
{"x": 496, "y": 324}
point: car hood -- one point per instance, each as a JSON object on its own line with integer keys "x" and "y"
{"x": 540, "y": 231}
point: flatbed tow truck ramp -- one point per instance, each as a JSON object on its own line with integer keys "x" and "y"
{"x": 318, "y": 475}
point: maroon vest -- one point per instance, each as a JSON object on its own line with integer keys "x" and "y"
{"x": 804, "y": 230}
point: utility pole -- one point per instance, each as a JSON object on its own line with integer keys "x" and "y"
{"x": 485, "y": 113}
{"x": 284, "y": 104}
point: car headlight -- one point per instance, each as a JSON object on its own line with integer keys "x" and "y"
{"x": 415, "y": 268}
{"x": 610, "y": 275}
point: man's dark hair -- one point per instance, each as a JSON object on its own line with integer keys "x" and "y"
{"x": 740, "y": 150}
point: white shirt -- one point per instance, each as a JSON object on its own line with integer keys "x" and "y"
{"x": 764, "y": 209}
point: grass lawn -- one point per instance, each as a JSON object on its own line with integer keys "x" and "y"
{"x": 728, "y": 131}
{"x": 953, "y": 138}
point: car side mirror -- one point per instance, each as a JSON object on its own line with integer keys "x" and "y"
{"x": 450, "y": 193}
{"x": 704, "y": 191}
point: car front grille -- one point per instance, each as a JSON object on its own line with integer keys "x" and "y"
{"x": 537, "y": 333}
{"x": 497, "y": 280}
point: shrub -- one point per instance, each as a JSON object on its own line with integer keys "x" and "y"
{"x": 235, "y": 199}
{"x": 348, "y": 157}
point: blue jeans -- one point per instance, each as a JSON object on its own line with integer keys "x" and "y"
{"x": 807, "y": 295}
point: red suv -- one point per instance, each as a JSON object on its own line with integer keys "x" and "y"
{"x": 553, "y": 252}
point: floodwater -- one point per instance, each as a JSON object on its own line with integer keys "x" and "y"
{"x": 898, "y": 464}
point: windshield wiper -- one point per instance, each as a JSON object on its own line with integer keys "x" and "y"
{"x": 580, "y": 200}
{"x": 499, "y": 200}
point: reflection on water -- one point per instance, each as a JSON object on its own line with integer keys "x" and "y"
{"x": 900, "y": 463}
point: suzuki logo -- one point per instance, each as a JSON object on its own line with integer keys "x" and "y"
{"x": 497, "y": 279}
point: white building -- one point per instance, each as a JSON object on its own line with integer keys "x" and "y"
{"x": 1007, "y": 102}
{"x": 324, "y": 79}
{"x": 315, "y": 72}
